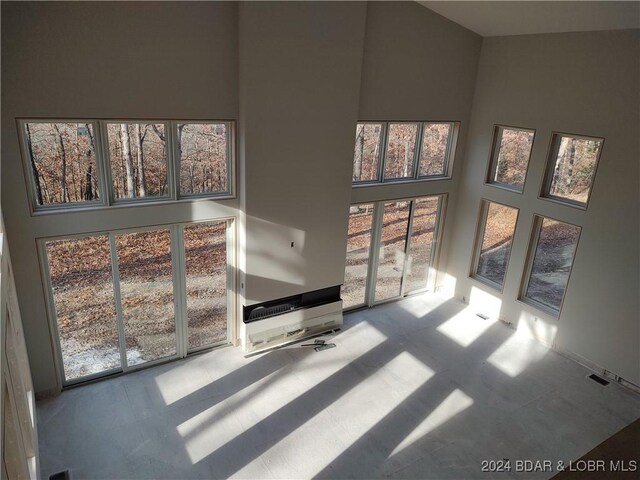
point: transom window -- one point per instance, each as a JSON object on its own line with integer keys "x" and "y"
{"x": 571, "y": 168}
{"x": 400, "y": 151}
{"x": 510, "y": 157}
{"x": 89, "y": 163}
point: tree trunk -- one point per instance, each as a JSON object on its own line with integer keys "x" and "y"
{"x": 357, "y": 164}
{"x": 558, "y": 166}
{"x": 142, "y": 187}
{"x": 91, "y": 186}
{"x": 572, "y": 159}
{"x": 88, "y": 184}
{"x": 36, "y": 177}
{"x": 63, "y": 159}
{"x": 405, "y": 168}
{"x": 128, "y": 163}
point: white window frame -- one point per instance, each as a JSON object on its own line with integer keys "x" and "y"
{"x": 495, "y": 153}
{"x": 552, "y": 157}
{"x": 231, "y": 164}
{"x": 483, "y": 214}
{"x": 415, "y": 177}
{"x": 103, "y": 187}
{"x": 536, "y": 228}
{"x": 374, "y": 247}
{"x": 103, "y": 165}
{"x": 109, "y": 169}
{"x": 179, "y": 296}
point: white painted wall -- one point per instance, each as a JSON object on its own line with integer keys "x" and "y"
{"x": 300, "y": 68}
{"x": 114, "y": 59}
{"x": 418, "y": 65}
{"x": 585, "y": 83}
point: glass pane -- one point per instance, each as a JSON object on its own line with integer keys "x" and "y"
{"x": 367, "y": 152}
{"x": 574, "y": 168}
{"x": 435, "y": 149}
{"x": 63, "y": 162}
{"x": 357, "y": 262}
{"x": 425, "y": 219}
{"x": 552, "y": 262}
{"x": 498, "y": 233}
{"x": 205, "y": 249}
{"x": 138, "y": 157}
{"x": 392, "y": 247}
{"x": 401, "y": 149}
{"x": 146, "y": 288}
{"x": 203, "y": 158}
{"x": 82, "y": 284}
{"x": 512, "y": 160}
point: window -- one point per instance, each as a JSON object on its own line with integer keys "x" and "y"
{"x": 138, "y": 157}
{"x": 391, "y": 249}
{"x": 204, "y": 158}
{"x": 434, "y": 152}
{"x": 571, "y": 168}
{"x": 550, "y": 263}
{"x": 97, "y": 163}
{"x": 510, "y": 157}
{"x": 493, "y": 242}
{"x": 400, "y": 151}
{"x": 124, "y": 299}
{"x": 62, "y": 163}
{"x": 81, "y": 282}
{"x": 366, "y": 158}
{"x": 353, "y": 291}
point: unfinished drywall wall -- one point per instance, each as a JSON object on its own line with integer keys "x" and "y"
{"x": 582, "y": 83}
{"x": 166, "y": 60}
{"x": 300, "y": 66}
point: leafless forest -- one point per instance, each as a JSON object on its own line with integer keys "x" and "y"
{"x": 400, "y": 150}
{"x": 83, "y": 293}
{"x": 63, "y": 164}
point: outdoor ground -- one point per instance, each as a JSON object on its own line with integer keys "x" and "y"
{"x": 84, "y": 298}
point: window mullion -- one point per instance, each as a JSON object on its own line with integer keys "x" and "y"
{"x": 103, "y": 162}
{"x": 418, "y": 150}
{"x": 173, "y": 159}
{"x": 117, "y": 295}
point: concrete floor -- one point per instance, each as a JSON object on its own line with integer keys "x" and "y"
{"x": 420, "y": 388}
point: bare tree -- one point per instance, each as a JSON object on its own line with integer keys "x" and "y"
{"x": 63, "y": 160}
{"x": 126, "y": 154}
{"x": 142, "y": 187}
{"x": 357, "y": 164}
{"x": 36, "y": 176}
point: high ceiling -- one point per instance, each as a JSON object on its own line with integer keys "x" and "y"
{"x": 498, "y": 18}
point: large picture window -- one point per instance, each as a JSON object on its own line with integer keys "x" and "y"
{"x": 97, "y": 163}
{"x": 549, "y": 263}
{"x": 124, "y": 299}
{"x": 401, "y": 151}
{"x": 391, "y": 249}
{"x": 496, "y": 228}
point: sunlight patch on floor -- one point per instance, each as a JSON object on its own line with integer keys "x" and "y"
{"x": 356, "y": 417}
{"x": 517, "y": 354}
{"x": 465, "y": 327}
{"x": 456, "y": 402}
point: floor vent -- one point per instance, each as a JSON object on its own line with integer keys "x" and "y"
{"x": 64, "y": 475}
{"x": 598, "y": 379}
{"x": 482, "y": 316}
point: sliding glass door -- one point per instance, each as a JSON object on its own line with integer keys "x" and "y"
{"x": 391, "y": 252}
{"x": 124, "y": 299}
